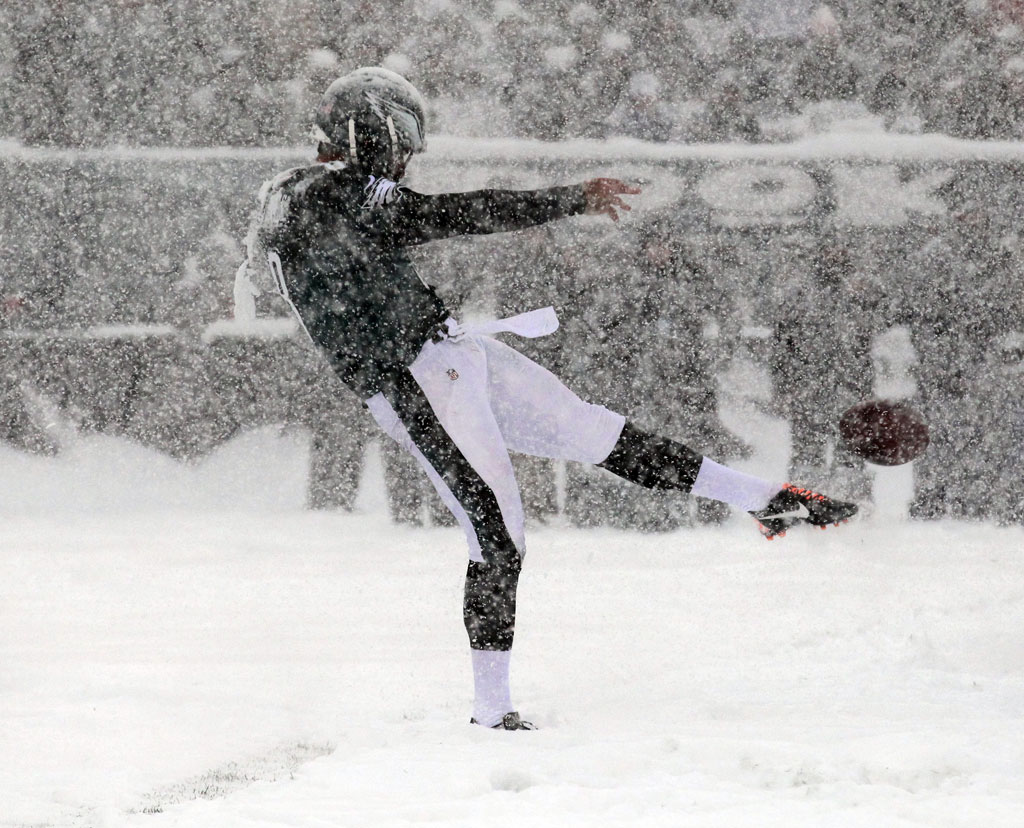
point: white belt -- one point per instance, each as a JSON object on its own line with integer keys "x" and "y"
{"x": 530, "y": 325}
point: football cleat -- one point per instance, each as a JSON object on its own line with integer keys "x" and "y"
{"x": 794, "y": 504}
{"x": 510, "y": 721}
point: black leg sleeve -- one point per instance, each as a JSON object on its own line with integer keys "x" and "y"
{"x": 489, "y": 606}
{"x": 653, "y": 462}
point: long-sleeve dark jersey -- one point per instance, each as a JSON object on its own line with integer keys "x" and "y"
{"x": 335, "y": 242}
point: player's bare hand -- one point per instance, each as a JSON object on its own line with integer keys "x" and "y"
{"x": 602, "y": 195}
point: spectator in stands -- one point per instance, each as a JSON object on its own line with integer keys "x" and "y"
{"x": 444, "y": 44}
{"x": 972, "y": 45}
{"x": 726, "y": 116}
{"x": 545, "y": 104}
{"x": 824, "y": 72}
{"x": 819, "y": 368}
{"x": 539, "y": 82}
{"x": 946, "y": 301}
{"x": 366, "y": 30}
{"x": 998, "y": 455}
{"x": 894, "y": 47}
{"x": 603, "y": 68}
{"x": 454, "y": 49}
{"x": 225, "y": 106}
{"x": 517, "y": 41}
{"x": 1010, "y": 123}
{"x": 712, "y": 31}
{"x": 312, "y": 73}
{"x": 983, "y": 106}
{"x": 969, "y": 71}
{"x": 897, "y": 96}
{"x": 665, "y": 43}
{"x": 678, "y": 364}
{"x": 42, "y": 44}
{"x": 641, "y": 112}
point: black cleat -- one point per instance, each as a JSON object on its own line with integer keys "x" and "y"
{"x": 794, "y": 505}
{"x": 510, "y": 721}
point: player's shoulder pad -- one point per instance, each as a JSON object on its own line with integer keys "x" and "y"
{"x": 297, "y": 177}
{"x": 280, "y": 180}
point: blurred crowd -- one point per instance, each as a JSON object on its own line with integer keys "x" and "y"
{"x": 655, "y": 317}
{"x": 672, "y": 317}
{"x": 248, "y": 72}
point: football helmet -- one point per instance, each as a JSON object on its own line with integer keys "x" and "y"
{"x": 375, "y": 118}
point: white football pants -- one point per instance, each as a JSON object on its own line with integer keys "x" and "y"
{"x": 490, "y": 399}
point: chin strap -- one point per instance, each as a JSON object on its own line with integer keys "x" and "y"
{"x": 392, "y": 133}
{"x": 353, "y": 155}
{"x": 394, "y": 144}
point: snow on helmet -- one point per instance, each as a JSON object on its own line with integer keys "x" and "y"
{"x": 375, "y": 117}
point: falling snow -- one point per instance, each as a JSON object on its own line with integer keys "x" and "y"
{"x": 215, "y": 572}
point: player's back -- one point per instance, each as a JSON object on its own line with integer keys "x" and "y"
{"x": 326, "y": 234}
{"x": 335, "y": 241}
{"x": 315, "y": 218}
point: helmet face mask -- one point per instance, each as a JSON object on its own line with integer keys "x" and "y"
{"x": 374, "y": 118}
{"x": 405, "y": 120}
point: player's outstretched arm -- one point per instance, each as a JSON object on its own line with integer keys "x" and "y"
{"x": 603, "y": 196}
{"x": 416, "y": 218}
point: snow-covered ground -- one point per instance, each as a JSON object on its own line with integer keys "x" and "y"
{"x": 183, "y": 645}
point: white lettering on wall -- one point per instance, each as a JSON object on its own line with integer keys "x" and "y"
{"x": 758, "y": 194}
{"x": 874, "y": 195}
{"x": 864, "y": 195}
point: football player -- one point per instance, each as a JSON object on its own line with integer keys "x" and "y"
{"x": 332, "y": 238}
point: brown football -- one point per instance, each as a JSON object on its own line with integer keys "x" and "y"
{"x": 884, "y": 432}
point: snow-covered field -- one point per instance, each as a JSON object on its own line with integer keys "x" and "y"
{"x": 185, "y": 646}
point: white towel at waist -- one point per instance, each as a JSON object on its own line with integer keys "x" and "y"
{"x": 530, "y": 325}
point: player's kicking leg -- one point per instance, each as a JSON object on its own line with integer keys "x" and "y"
{"x": 794, "y": 504}
{"x": 538, "y": 415}
{"x": 660, "y": 463}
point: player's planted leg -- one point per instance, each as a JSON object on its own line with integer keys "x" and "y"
{"x": 489, "y": 612}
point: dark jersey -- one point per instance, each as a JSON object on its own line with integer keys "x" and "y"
{"x": 335, "y": 242}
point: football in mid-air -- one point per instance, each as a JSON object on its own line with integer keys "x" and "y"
{"x": 884, "y": 432}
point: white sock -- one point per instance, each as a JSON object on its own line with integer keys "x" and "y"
{"x": 733, "y": 487}
{"x": 492, "y": 694}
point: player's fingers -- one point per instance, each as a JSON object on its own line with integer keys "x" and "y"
{"x": 614, "y": 186}
{"x": 614, "y": 202}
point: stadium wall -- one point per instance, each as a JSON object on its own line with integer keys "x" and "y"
{"x": 118, "y": 266}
